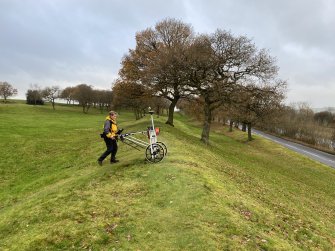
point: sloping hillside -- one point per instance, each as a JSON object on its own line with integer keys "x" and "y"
{"x": 230, "y": 195}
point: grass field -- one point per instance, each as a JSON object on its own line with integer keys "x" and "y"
{"x": 231, "y": 195}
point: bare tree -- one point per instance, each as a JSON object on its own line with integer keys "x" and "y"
{"x": 7, "y": 90}
{"x": 67, "y": 94}
{"x": 51, "y": 93}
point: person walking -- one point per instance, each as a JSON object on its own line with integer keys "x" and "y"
{"x": 110, "y": 137}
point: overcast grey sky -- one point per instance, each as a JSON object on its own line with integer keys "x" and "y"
{"x": 68, "y": 42}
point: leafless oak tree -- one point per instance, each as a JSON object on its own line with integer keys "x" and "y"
{"x": 7, "y": 90}
{"x": 51, "y": 94}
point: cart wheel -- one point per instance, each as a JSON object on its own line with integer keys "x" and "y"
{"x": 164, "y": 147}
{"x": 154, "y": 153}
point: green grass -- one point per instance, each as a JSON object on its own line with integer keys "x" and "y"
{"x": 231, "y": 195}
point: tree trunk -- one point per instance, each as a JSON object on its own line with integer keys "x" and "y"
{"x": 231, "y": 125}
{"x": 249, "y": 132}
{"x": 171, "y": 111}
{"x": 136, "y": 114}
{"x": 207, "y": 124}
{"x": 244, "y": 127}
{"x": 158, "y": 111}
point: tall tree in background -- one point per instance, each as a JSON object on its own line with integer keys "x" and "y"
{"x": 257, "y": 103}
{"x": 159, "y": 105}
{"x": 7, "y": 90}
{"x": 131, "y": 95}
{"x": 83, "y": 93}
{"x": 51, "y": 94}
{"x": 68, "y": 94}
{"x": 218, "y": 63}
{"x": 107, "y": 99}
{"x": 325, "y": 118}
{"x": 158, "y": 61}
{"x": 202, "y": 79}
{"x": 103, "y": 99}
{"x": 34, "y": 95}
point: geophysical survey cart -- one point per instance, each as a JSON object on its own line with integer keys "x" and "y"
{"x": 155, "y": 150}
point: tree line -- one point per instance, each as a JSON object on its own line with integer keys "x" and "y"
{"x": 82, "y": 94}
{"x": 220, "y": 71}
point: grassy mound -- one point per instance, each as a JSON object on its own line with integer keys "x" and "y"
{"x": 230, "y": 195}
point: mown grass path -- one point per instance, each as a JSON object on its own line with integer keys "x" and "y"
{"x": 231, "y": 195}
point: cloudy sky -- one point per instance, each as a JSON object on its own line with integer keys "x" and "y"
{"x": 68, "y": 42}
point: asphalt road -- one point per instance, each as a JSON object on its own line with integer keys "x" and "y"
{"x": 325, "y": 158}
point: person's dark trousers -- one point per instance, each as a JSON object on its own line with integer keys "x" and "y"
{"x": 111, "y": 146}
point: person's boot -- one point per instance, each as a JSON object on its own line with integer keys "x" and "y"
{"x": 100, "y": 162}
{"x": 114, "y": 161}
